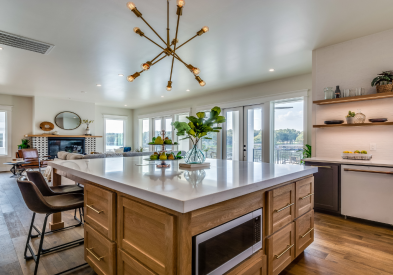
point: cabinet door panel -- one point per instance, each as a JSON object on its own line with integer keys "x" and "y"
{"x": 326, "y": 186}
{"x": 304, "y": 232}
{"x": 147, "y": 234}
{"x": 304, "y": 196}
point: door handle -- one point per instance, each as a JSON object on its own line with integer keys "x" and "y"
{"x": 327, "y": 167}
{"x": 282, "y": 253}
{"x": 285, "y": 207}
{"x": 367, "y": 171}
{"x": 95, "y": 210}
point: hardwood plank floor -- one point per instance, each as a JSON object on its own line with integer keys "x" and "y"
{"x": 341, "y": 246}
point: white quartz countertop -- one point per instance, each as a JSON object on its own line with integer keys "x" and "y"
{"x": 182, "y": 190}
{"x": 372, "y": 162}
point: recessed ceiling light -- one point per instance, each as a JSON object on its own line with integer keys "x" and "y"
{"x": 98, "y": 85}
{"x": 187, "y": 90}
{"x": 121, "y": 74}
{"x": 1, "y": 48}
{"x": 271, "y": 70}
{"x": 125, "y": 105}
{"x": 162, "y": 96}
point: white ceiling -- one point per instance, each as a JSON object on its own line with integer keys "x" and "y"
{"x": 94, "y": 42}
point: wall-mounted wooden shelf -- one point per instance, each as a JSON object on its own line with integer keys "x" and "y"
{"x": 78, "y": 136}
{"x": 353, "y": 98}
{"x": 353, "y": 125}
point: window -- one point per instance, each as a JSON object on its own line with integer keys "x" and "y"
{"x": 288, "y": 131}
{"x": 5, "y": 130}
{"x": 115, "y": 128}
{"x": 209, "y": 146}
{"x": 145, "y": 134}
{"x": 184, "y": 145}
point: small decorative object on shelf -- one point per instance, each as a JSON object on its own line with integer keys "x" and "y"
{"x": 25, "y": 144}
{"x": 163, "y": 155}
{"x": 329, "y": 93}
{"x": 350, "y": 117}
{"x": 87, "y": 122}
{"x": 383, "y": 82}
{"x": 47, "y": 126}
{"x": 357, "y": 155}
{"x": 337, "y": 93}
{"x": 360, "y": 117}
{"x": 359, "y": 91}
{"x": 197, "y": 129}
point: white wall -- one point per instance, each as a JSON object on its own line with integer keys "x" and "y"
{"x": 252, "y": 91}
{"x": 353, "y": 64}
{"x": 100, "y": 111}
{"x": 46, "y": 109}
{"x": 22, "y": 112}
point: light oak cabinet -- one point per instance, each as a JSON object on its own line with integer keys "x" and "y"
{"x": 100, "y": 253}
{"x": 100, "y": 210}
{"x": 304, "y": 196}
{"x": 255, "y": 265}
{"x": 281, "y": 249}
{"x": 280, "y": 206}
{"x": 129, "y": 266}
{"x": 304, "y": 231}
{"x": 147, "y": 235}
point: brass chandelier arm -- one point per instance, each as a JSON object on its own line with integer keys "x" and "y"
{"x": 187, "y": 41}
{"x": 156, "y": 57}
{"x": 167, "y": 24}
{"x": 174, "y": 48}
{"x": 152, "y": 41}
{"x": 153, "y": 30}
{"x": 159, "y": 60}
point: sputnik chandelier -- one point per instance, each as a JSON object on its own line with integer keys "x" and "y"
{"x": 167, "y": 50}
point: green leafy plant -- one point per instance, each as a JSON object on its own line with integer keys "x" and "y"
{"x": 351, "y": 114}
{"x": 25, "y": 144}
{"x": 306, "y": 152}
{"x": 178, "y": 155}
{"x": 383, "y": 77}
{"x": 200, "y": 126}
{"x": 139, "y": 150}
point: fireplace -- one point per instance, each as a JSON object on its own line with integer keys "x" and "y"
{"x": 67, "y": 144}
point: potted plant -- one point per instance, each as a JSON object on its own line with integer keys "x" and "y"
{"x": 25, "y": 144}
{"x": 383, "y": 82}
{"x": 87, "y": 122}
{"x": 350, "y": 117}
{"x": 197, "y": 129}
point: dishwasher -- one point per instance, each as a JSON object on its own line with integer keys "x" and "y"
{"x": 367, "y": 193}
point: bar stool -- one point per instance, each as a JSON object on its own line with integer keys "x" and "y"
{"x": 47, "y": 205}
{"x": 38, "y": 179}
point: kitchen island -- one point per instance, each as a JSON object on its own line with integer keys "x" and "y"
{"x": 141, "y": 219}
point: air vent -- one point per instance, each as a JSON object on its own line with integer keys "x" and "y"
{"x": 24, "y": 43}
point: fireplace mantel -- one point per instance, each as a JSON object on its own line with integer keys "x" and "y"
{"x": 79, "y": 136}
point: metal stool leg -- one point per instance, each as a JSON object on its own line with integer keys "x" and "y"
{"x": 29, "y": 236}
{"x": 40, "y": 247}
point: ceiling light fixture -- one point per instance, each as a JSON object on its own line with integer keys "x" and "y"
{"x": 167, "y": 49}
{"x": 121, "y": 74}
{"x": 1, "y": 48}
{"x": 187, "y": 90}
{"x": 162, "y": 96}
{"x": 98, "y": 85}
{"x": 271, "y": 70}
{"x": 125, "y": 105}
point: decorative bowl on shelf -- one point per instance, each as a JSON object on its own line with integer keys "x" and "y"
{"x": 356, "y": 156}
{"x": 334, "y": 122}
{"x": 378, "y": 119}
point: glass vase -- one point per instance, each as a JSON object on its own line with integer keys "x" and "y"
{"x": 195, "y": 156}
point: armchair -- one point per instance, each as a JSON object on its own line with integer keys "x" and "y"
{"x": 32, "y": 156}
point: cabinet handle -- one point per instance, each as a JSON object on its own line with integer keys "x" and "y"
{"x": 327, "y": 167}
{"x": 305, "y": 197}
{"x": 282, "y": 253}
{"x": 95, "y": 210}
{"x": 285, "y": 207}
{"x": 94, "y": 255}
{"x": 368, "y": 171}
{"x": 311, "y": 229}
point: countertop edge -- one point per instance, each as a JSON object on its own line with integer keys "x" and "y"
{"x": 185, "y": 206}
{"x": 381, "y": 163}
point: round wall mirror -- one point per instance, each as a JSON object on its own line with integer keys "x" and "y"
{"x": 68, "y": 120}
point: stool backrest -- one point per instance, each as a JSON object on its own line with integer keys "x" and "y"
{"x": 33, "y": 198}
{"x": 38, "y": 179}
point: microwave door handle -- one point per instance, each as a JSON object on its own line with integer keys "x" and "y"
{"x": 368, "y": 171}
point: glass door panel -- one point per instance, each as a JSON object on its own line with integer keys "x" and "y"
{"x": 145, "y": 135}
{"x": 232, "y": 134}
{"x": 157, "y": 132}
{"x": 288, "y": 131}
{"x": 184, "y": 145}
{"x": 253, "y": 133}
{"x": 209, "y": 146}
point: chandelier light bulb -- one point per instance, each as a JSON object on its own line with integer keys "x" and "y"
{"x": 130, "y": 78}
{"x": 169, "y": 87}
{"x": 202, "y": 83}
{"x": 131, "y": 5}
{"x": 136, "y": 29}
{"x": 146, "y": 66}
{"x": 180, "y": 3}
{"x": 205, "y": 29}
{"x": 196, "y": 71}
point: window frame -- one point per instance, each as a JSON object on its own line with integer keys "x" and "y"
{"x": 7, "y": 130}
{"x": 114, "y": 117}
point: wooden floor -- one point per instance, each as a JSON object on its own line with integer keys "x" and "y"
{"x": 340, "y": 246}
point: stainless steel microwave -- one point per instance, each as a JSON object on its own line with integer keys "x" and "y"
{"x": 218, "y": 250}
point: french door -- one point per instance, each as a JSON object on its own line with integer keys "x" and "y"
{"x": 242, "y": 133}
{"x": 159, "y": 124}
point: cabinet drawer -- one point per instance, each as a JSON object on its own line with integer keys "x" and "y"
{"x": 304, "y": 232}
{"x": 254, "y": 265}
{"x": 304, "y": 196}
{"x": 281, "y": 249}
{"x": 280, "y": 208}
{"x": 129, "y": 266}
{"x": 100, "y": 207}
{"x": 100, "y": 253}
